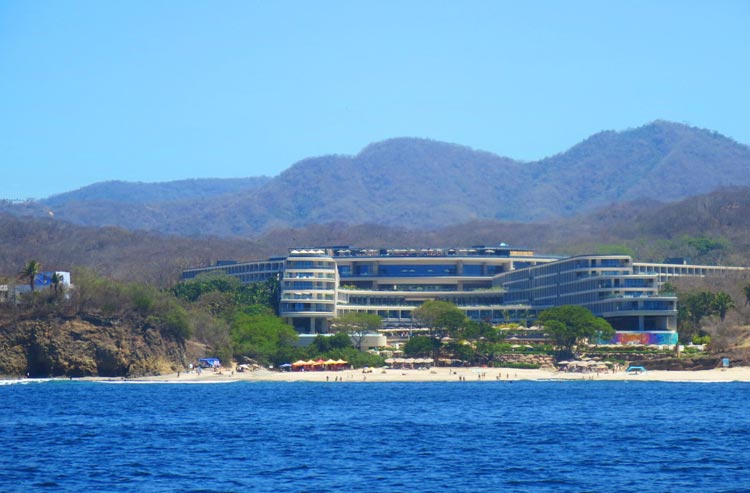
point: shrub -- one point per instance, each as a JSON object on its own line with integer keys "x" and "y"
{"x": 519, "y": 366}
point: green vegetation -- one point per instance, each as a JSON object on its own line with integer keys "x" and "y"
{"x": 212, "y": 285}
{"x": 260, "y": 335}
{"x": 702, "y": 245}
{"x": 357, "y": 325}
{"x": 441, "y": 317}
{"x": 518, "y": 366}
{"x": 461, "y": 341}
{"x": 569, "y": 325}
{"x": 234, "y": 321}
{"x": 421, "y": 346}
{"x": 694, "y": 307}
{"x": 29, "y": 272}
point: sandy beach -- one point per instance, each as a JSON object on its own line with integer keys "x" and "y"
{"x": 739, "y": 374}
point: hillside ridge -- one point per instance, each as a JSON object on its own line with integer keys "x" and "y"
{"x": 421, "y": 183}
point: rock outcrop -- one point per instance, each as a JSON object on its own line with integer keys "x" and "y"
{"x": 88, "y": 346}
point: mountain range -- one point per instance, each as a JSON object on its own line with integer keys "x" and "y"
{"x": 419, "y": 184}
{"x": 709, "y": 229}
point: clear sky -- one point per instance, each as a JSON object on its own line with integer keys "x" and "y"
{"x": 149, "y": 90}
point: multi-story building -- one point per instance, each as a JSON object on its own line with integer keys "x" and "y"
{"x": 608, "y": 285}
{"x": 489, "y": 283}
{"x": 318, "y": 284}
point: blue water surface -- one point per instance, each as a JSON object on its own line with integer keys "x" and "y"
{"x": 584, "y": 436}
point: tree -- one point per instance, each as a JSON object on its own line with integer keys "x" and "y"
{"x": 667, "y": 287}
{"x": 357, "y": 325}
{"x": 473, "y": 331}
{"x": 461, "y": 351}
{"x": 206, "y": 283}
{"x": 441, "y": 317}
{"x": 705, "y": 244}
{"x": 325, "y": 343}
{"x": 29, "y": 272}
{"x": 420, "y": 346}
{"x": 56, "y": 280}
{"x": 722, "y": 303}
{"x": 219, "y": 285}
{"x": 569, "y": 325}
{"x": 694, "y": 306}
{"x": 259, "y": 334}
{"x": 746, "y": 290}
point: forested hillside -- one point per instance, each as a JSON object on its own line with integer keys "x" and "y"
{"x": 421, "y": 184}
{"x": 713, "y": 228}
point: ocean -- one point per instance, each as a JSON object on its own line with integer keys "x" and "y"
{"x": 569, "y": 436}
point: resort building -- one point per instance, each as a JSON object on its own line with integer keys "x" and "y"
{"x": 494, "y": 284}
{"x": 608, "y": 285}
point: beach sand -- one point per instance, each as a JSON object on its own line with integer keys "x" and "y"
{"x": 741, "y": 374}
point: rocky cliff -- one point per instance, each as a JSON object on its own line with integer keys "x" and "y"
{"x": 87, "y": 346}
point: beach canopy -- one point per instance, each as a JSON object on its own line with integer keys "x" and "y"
{"x": 209, "y": 362}
{"x": 410, "y": 361}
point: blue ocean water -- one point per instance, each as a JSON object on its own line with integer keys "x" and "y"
{"x": 584, "y": 436}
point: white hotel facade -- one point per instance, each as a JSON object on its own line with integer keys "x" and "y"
{"x": 489, "y": 283}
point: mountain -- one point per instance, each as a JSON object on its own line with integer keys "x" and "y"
{"x": 422, "y": 184}
{"x": 711, "y": 228}
{"x": 173, "y": 191}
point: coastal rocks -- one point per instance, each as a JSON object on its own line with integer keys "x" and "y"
{"x": 92, "y": 347}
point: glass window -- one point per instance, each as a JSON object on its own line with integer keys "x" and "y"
{"x": 417, "y": 270}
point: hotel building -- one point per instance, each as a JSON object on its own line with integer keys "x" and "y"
{"x": 489, "y": 283}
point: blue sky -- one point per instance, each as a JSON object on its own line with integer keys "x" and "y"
{"x": 164, "y": 90}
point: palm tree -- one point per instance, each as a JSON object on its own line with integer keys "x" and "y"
{"x": 55, "y": 281}
{"x": 722, "y": 303}
{"x": 29, "y": 272}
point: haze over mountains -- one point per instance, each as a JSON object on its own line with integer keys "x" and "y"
{"x": 420, "y": 185}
